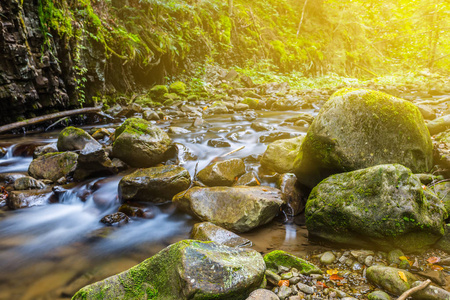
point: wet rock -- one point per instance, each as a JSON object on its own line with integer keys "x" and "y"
{"x": 284, "y": 292}
{"x": 248, "y": 179}
{"x": 430, "y": 293}
{"x": 389, "y": 280}
{"x": 198, "y": 123}
{"x": 327, "y": 258}
{"x": 157, "y": 92}
{"x": 94, "y": 163}
{"x": 3, "y": 152}
{"x": 206, "y": 269}
{"x": 10, "y": 177}
{"x": 439, "y": 125}
{"x": 301, "y": 117}
{"x": 272, "y": 277}
{"x": 240, "y": 107}
{"x": 437, "y": 277}
{"x": 133, "y": 211}
{"x": 101, "y": 134}
{"x": 157, "y": 184}
{"x": 72, "y": 139}
{"x": 118, "y": 164}
{"x": 41, "y": 150}
{"x": 239, "y": 208}
{"x": 53, "y": 166}
{"x": 278, "y": 258}
{"x": 394, "y": 256}
{"x": 335, "y": 142}
{"x": 222, "y": 173}
{"x": 258, "y": 126}
{"x": 207, "y": 231}
{"x": 444, "y": 242}
{"x": 262, "y": 294}
{"x": 178, "y": 130}
{"x": 274, "y": 136}
{"x": 28, "y": 183}
{"x": 291, "y": 194}
{"x": 216, "y": 110}
{"x": 23, "y": 199}
{"x": 280, "y": 155}
{"x": 428, "y": 178}
{"x": 383, "y": 206}
{"x": 140, "y": 143}
{"x": 426, "y": 111}
{"x": 379, "y": 295}
{"x": 218, "y": 143}
{"x": 115, "y": 219}
{"x": 150, "y": 115}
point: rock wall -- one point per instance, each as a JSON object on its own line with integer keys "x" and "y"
{"x": 33, "y": 80}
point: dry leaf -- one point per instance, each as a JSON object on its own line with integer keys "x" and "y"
{"x": 332, "y": 271}
{"x": 283, "y": 282}
{"x": 433, "y": 260}
{"x": 402, "y": 276}
{"x": 436, "y": 268}
{"x": 336, "y": 277}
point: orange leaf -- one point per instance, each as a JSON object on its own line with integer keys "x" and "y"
{"x": 433, "y": 260}
{"x": 336, "y": 277}
{"x": 402, "y": 276}
{"x": 322, "y": 284}
{"x": 283, "y": 282}
{"x": 257, "y": 181}
{"x": 436, "y": 268}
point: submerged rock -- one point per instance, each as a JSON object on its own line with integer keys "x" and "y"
{"x": 157, "y": 184}
{"x": 72, "y": 139}
{"x": 239, "y": 208}
{"x": 207, "y": 231}
{"x": 140, "y": 143}
{"x": 382, "y": 206}
{"x": 53, "y": 166}
{"x": 359, "y": 128}
{"x": 280, "y": 155}
{"x": 222, "y": 173}
{"x": 115, "y": 219}
{"x": 185, "y": 270}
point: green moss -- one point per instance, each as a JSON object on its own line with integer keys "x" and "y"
{"x": 178, "y": 87}
{"x": 281, "y": 258}
{"x": 251, "y": 102}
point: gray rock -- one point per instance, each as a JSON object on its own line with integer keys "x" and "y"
{"x": 359, "y": 128}
{"x": 272, "y": 277}
{"x": 53, "y": 166}
{"x": 222, "y": 173}
{"x": 439, "y": 125}
{"x": 150, "y": 115}
{"x": 49, "y": 148}
{"x": 430, "y": 293}
{"x": 379, "y": 295}
{"x": 262, "y": 294}
{"x": 207, "y": 231}
{"x": 207, "y": 270}
{"x": 291, "y": 194}
{"x": 284, "y": 292}
{"x": 94, "y": 163}
{"x": 239, "y": 208}
{"x": 115, "y": 219}
{"x": 140, "y": 143}
{"x": 157, "y": 184}
{"x": 258, "y": 126}
{"x": 280, "y": 155}
{"x": 178, "y": 130}
{"x": 23, "y": 199}
{"x": 393, "y": 256}
{"x": 327, "y": 258}
{"x": 305, "y": 288}
{"x": 218, "y": 143}
{"x": 389, "y": 280}
{"x": 72, "y": 139}
{"x": 382, "y": 206}
{"x": 28, "y": 183}
{"x": 10, "y": 177}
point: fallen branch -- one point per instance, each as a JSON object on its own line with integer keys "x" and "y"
{"x": 44, "y": 118}
{"x": 414, "y": 289}
{"x": 231, "y": 152}
{"x": 438, "y": 101}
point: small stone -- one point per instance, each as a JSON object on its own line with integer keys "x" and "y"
{"x": 294, "y": 280}
{"x": 287, "y": 275}
{"x": 343, "y": 258}
{"x": 282, "y": 269}
{"x": 368, "y": 261}
{"x": 305, "y": 288}
{"x": 356, "y": 266}
{"x": 393, "y": 256}
{"x": 272, "y": 277}
{"x": 115, "y": 219}
{"x": 316, "y": 276}
{"x": 284, "y": 292}
{"x": 379, "y": 295}
{"x": 262, "y": 294}
{"x": 327, "y": 258}
{"x": 349, "y": 262}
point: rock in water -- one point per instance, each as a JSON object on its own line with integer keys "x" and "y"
{"x": 140, "y": 143}
{"x": 359, "y": 128}
{"x": 207, "y": 231}
{"x": 157, "y": 184}
{"x": 185, "y": 270}
{"x": 390, "y": 279}
{"x": 72, "y": 139}
{"x": 280, "y": 155}
{"x": 222, "y": 172}
{"x": 383, "y": 206}
{"x": 53, "y": 166}
{"x": 239, "y": 208}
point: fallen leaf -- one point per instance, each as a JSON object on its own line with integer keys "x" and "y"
{"x": 320, "y": 283}
{"x": 204, "y": 108}
{"x": 283, "y": 282}
{"x": 336, "y": 277}
{"x": 403, "y": 258}
{"x": 436, "y": 268}
{"x": 433, "y": 260}
{"x": 402, "y": 276}
{"x": 332, "y": 271}
{"x": 257, "y": 181}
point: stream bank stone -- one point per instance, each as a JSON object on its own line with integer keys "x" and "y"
{"x": 383, "y": 206}
{"x": 185, "y": 270}
{"x": 358, "y": 128}
{"x": 73, "y": 139}
{"x": 139, "y": 143}
{"x": 388, "y": 278}
{"x": 53, "y": 166}
{"x": 157, "y": 184}
{"x": 222, "y": 173}
{"x": 278, "y": 258}
{"x": 280, "y": 155}
{"x": 207, "y": 231}
{"x": 239, "y": 208}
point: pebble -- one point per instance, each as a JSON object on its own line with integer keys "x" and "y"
{"x": 305, "y": 288}
{"x": 368, "y": 261}
{"x": 327, "y": 258}
{"x": 284, "y": 292}
{"x": 379, "y": 295}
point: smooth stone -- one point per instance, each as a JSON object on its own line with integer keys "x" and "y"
{"x": 389, "y": 280}
{"x": 305, "y": 288}
{"x": 222, "y": 173}
{"x": 72, "y": 139}
{"x": 115, "y": 219}
{"x": 379, "y": 295}
{"x": 207, "y": 231}
{"x": 262, "y": 294}
{"x": 28, "y": 183}
{"x": 327, "y": 258}
{"x": 53, "y": 166}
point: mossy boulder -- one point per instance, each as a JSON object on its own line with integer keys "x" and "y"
{"x": 383, "y": 207}
{"x": 157, "y": 92}
{"x": 178, "y": 87}
{"x": 185, "y": 270}
{"x": 444, "y": 242}
{"x": 442, "y": 191}
{"x": 279, "y": 258}
{"x": 73, "y": 139}
{"x": 53, "y": 166}
{"x": 251, "y": 102}
{"x": 280, "y": 155}
{"x": 358, "y": 128}
{"x": 389, "y": 279}
{"x": 239, "y": 208}
{"x": 157, "y": 184}
{"x": 139, "y": 143}
{"x": 207, "y": 231}
{"x": 222, "y": 173}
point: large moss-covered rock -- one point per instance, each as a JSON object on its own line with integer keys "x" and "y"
{"x": 442, "y": 191}
{"x": 382, "y": 206}
{"x": 280, "y": 155}
{"x": 178, "y": 87}
{"x": 222, "y": 173}
{"x": 53, "y": 166}
{"x": 72, "y": 139}
{"x": 444, "y": 242}
{"x": 157, "y": 184}
{"x": 185, "y": 270}
{"x": 157, "y": 92}
{"x": 239, "y": 208}
{"x": 389, "y": 279}
{"x": 359, "y": 128}
{"x": 279, "y": 258}
{"x": 139, "y": 143}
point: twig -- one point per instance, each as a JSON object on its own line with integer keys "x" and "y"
{"x": 439, "y": 101}
{"x": 57, "y": 122}
{"x": 231, "y": 152}
{"x": 301, "y": 19}
{"x": 414, "y": 289}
